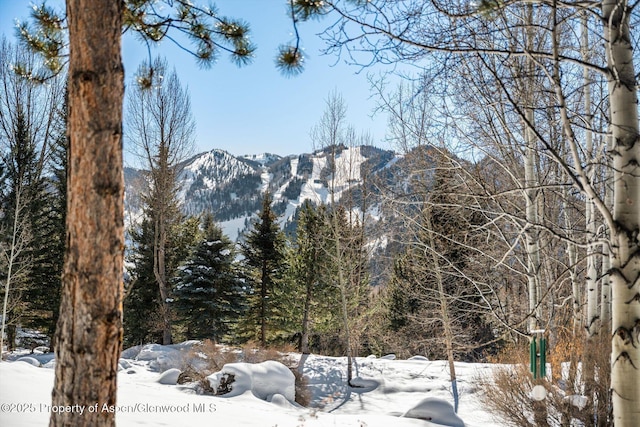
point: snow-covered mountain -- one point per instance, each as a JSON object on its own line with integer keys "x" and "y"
{"x": 232, "y": 187}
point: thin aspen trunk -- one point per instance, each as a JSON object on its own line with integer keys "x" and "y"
{"x": 304, "y": 339}
{"x": 531, "y": 193}
{"x": 444, "y": 311}
{"x": 342, "y": 283}
{"x": 342, "y": 286}
{"x": 159, "y": 272}
{"x": 572, "y": 257}
{"x": 605, "y": 296}
{"x": 345, "y": 320}
{"x": 89, "y": 332}
{"x": 591, "y": 279}
{"x": 625, "y": 248}
{"x": 592, "y": 325}
{"x": 12, "y": 258}
{"x": 161, "y": 178}
{"x": 531, "y": 234}
{"x": 263, "y": 304}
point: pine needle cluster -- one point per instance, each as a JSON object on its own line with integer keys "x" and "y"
{"x": 199, "y": 30}
{"x": 46, "y": 36}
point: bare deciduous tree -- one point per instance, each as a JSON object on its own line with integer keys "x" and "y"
{"x": 161, "y": 128}
{"x": 27, "y": 114}
{"x": 345, "y": 227}
{"x": 392, "y": 32}
{"x": 19, "y": 238}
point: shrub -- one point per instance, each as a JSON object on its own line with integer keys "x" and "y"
{"x": 203, "y": 360}
{"x": 225, "y": 384}
{"x": 577, "y": 387}
{"x": 208, "y": 357}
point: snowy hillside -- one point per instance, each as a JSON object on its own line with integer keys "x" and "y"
{"x": 214, "y": 169}
{"x": 147, "y": 394}
{"x": 232, "y": 187}
{"x": 265, "y": 159}
{"x": 220, "y": 183}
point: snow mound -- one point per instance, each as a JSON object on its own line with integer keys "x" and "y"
{"x": 131, "y": 352}
{"x": 123, "y": 364}
{"x": 362, "y": 385}
{"x": 436, "y": 411}
{"x": 163, "y": 357}
{"x": 169, "y": 377}
{"x": 264, "y": 380}
{"x": 280, "y": 400}
{"x": 419, "y": 358}
{"x": 29, "y": 360}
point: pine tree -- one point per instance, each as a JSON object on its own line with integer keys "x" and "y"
{"x": 161, "y": 128}
{"x": 264, "y": 253}
{"x": 209, "y": 293}
{"x": 309, "y": 264}
{"x": 141, "y": 292}
{"x": 48, "y": 225}
{"x": 349, "y": 276}
{"x": 26, "y": 207}
{"x": 431, "y": 293}
{"x": 143, "y": 315}
{"x": 92, "y": 286}
{"x": 15, "y": 221}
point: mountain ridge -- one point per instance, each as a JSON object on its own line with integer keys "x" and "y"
{"x": 232, "y": 187}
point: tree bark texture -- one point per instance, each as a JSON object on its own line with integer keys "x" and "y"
{"x": 304, "y": 339}
{"x": 264, "y": 294}
{"x": 625, "y": 248}
{"x": 160, "y": 272}
{"x": 444, "y": 309}
{"x": 591, "y": 279}
{"x": 531, "y": 189}
{"x": 90, "y": 325}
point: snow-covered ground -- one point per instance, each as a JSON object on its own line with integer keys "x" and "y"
{"x": 388, "y": 389}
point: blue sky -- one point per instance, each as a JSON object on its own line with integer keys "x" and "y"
{"x": 255, "y": 109}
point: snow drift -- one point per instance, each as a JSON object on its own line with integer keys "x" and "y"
{"x": 264, "y": 380}
{"x": 401, "y": 393}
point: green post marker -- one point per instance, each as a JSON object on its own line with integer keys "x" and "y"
{"x": 543, "y": 357}
{"x": 538, "y": 371}
{"x": 533, "y": 357}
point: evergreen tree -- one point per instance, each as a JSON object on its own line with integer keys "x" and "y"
{"x": 349, "y": 276}
{"x": 48, "y": 224}
{"x": 327, "y": 282}
{"x": 352, "y": 244}
{"x": 92, "y": 286}
{"x": 141, "y": 292}
{"x": 432, "y": 293}
{"x": 19, "y": 184}
{"x": 30, "y": 223}
{"x": 32, "y": 116}
{"x": 264, "y": 253}
{"x": 309, "y": 264}
{"x": 143, "y": 315}
{"x": 209, "y": 293}
{"x": 161, "y": 128}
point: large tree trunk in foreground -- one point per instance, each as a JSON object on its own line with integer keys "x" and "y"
{"x": 625, "y": 250}
{"x": 90, "y": 325}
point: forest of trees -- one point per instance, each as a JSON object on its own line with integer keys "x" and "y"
{"x": 514, "y": 210}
